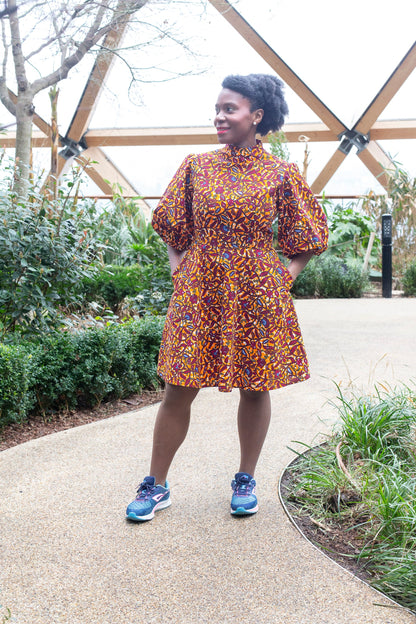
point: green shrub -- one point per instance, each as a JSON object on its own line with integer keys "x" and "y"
{"x": 43, "y": 257}
{"x": 145, "y": 336}
{"x": 330, "y": 277}
{"x": 103, "y": 365}
{"x": 16, "y": 383}
{"x": 54, "y": 382}
{"x": 339, "y": 279}
{"x": 146, "y": 289}
{"x": 64, "y": 370}
{"x": 409, "y": 280}
{"x": 112, "y": 284}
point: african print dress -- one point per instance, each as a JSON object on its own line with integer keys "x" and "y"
{"x": 231, "y": 322}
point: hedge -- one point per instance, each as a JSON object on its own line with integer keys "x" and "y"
{"x": 66, "y": 370}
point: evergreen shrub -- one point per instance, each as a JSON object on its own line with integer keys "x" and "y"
{"x": 147, "y": 289}
{"x": 16, "y": 383}
{"x": 339, "y": 279}
{"x": 330, "y": 277}
{"x": 112, "y": 284}
{"x": 409, "y": 280}
{"x": 64, "y": 370}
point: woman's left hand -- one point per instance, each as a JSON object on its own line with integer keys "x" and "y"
{"x": 298, "y": 263}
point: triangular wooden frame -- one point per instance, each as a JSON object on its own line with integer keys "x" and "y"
{"x": 84, "y": 145}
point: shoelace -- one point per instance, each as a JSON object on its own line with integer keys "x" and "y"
{"x": 145, "y": 491}
{"x": 243, "y": 488}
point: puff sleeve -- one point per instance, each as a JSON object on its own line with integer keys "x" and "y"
{"x": 172, "y": 218}
{"x": 302, "y": 224}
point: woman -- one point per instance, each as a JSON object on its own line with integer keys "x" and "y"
{"x": 231, "y": 321}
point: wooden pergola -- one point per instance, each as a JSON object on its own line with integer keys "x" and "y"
{"x": 82, "y": 145}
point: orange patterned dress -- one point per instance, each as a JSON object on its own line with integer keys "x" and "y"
{"x": 231, "y": 322}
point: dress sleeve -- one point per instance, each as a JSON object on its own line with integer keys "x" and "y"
{"x": 302, "y": 224}
{"x": 172, "y": 218}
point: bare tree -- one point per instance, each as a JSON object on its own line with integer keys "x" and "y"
{"x": 43, "y": 40}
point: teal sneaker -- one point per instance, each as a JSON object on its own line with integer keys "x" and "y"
{"x": 150, "y": 498}
{"x": 244, "y": 499}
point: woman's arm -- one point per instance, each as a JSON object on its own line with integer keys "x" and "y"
{"x": 175, "y": 258}
{"x": 297, "y": 263}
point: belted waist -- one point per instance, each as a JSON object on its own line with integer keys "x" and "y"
{"x": 222, "y": 237}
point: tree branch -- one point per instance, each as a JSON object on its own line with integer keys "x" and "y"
{"x": 124, "y": 9}
{"x": 59, "y": 31}
{"x": 19, "y": 62}
{"x": 4, "y": 94}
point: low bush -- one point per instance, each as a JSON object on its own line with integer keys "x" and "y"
{"x": 145, "y": 289}
{"x": 65, "y": 370}
{"x": 330, "y": 277}
{"x": 17, "y": 395}
{"x": 339, "y": 279}
{"x": 409, "y": 280}
{"x": 112, "y": 284}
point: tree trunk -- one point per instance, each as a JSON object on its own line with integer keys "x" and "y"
{"x": 24, "y": 117}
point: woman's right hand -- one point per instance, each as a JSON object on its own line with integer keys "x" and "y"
{"x": 175, "y": 258}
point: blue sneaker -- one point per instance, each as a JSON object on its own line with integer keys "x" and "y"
{"x": 150, "y": 498}
{"x": 244, "y": 499}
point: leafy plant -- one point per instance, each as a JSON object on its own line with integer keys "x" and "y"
{"x": 278, "y": 145}
{"x": 43, "y": 256}
{"x": 16, "y": 373}
{"x": 330, "y": 277}
{"x": 349, "y": 233}
{"x": 363, "y": 479}
{"x": 409, "y": 280}
{"x": 400, "y": 202}
{"x": 142, "y": 289}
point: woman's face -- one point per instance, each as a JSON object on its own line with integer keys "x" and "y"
{"x": 235, "y": 123}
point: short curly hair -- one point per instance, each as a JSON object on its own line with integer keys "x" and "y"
{"x": 264, "y": 91}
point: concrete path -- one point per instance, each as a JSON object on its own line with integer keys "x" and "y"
{"x": 68, "y": 556}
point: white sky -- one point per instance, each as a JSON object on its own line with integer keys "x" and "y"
{"x": 343, "y": 51}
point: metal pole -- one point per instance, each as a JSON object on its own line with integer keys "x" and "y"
{"x": 386, "y": 247}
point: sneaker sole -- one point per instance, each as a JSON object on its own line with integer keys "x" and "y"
{"x": 135, "y": 518}
{"x": 240, "y": 511}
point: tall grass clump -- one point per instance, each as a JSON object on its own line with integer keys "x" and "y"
{"x": 363, "y": 480}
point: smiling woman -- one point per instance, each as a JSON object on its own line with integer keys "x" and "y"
{"x": 231, "y": 322}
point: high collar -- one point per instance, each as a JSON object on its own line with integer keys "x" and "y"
{"x": 242, "y": 153}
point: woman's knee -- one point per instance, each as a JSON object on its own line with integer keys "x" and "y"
{"x": 253, "y": 395}
{"x": 179, "y": 395}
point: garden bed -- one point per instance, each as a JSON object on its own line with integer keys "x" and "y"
{"x": 353, "y": 496}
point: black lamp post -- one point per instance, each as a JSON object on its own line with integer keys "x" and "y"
{"x": 386, "y": 247}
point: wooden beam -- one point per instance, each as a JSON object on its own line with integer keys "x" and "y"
{"x": 398, "y": 129}
{"x": 8, "y": 140}
{"x": 194, "y": 135}
{"x": 328, "y": 171}
{"x": 279, "y": 65}
{"x": 95, "y": 82}
{"x": 376, "y": 160}
{"x": 387, "y": 92}
{"x": 205, "y": 135}
{"x": 106, "y": 175}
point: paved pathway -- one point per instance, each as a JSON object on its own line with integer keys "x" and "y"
{"x": 68, "y": 556}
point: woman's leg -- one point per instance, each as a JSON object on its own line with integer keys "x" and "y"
{"x": 253, "y": 422}
{"x": 171, "y": 427}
